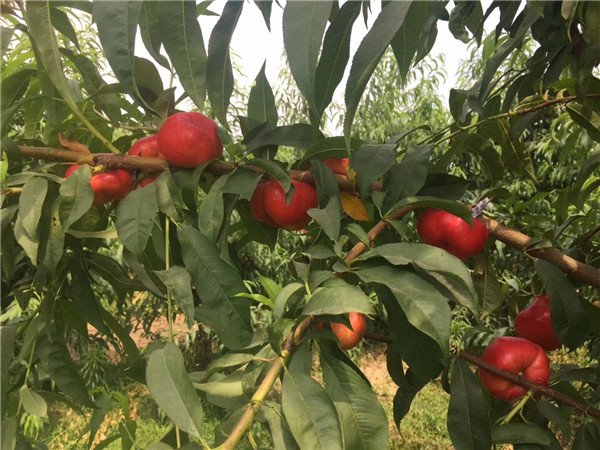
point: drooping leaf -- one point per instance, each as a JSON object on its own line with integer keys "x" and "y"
{"x": 488, "y": 287}
{"x": 63, "y": 25}
{"x": 182, "y": 38}
{"x": 468, "y": 423}
{"x": 569, "y": 319}
{"x": 135, "y": 218}
{"x": 219, "y": 74}
{"x": 62, "y": 370}
{"x": 520, "y": 433}
{"x": 309, "y": 410}
{"x": 370, "y": 162}
{"x": 335, "y": 55}
{"x": 368, "y": 55}
{"x": 76, "y": 196}
{"x": 31, "y": 202}
{"x": 149, "y": 30}
{"x": 408, "y": 177}
{"x": 418, "y": 350}
{"x": 33, "y": 402}
{"x": 173, "y": 390}
{"x": 217, "y": 283}
{"x": 212, "y": 209}
{"x": 117, "y": 25}
{"x": 405, "y": 395}
{"x": 363, "y": 420}
{"x": 303, "y": 27}
{"x": 179, "y": 284}
{"x": 424, "y": 306}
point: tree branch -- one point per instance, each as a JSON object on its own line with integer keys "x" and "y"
{"x": 566, "y": 264}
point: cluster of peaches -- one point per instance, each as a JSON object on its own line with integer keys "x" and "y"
{"x": 185, "y": 139}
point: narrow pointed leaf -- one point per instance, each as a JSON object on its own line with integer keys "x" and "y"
{"x": 135, "y": 218}
{"x": 173, "y": 390}
{"x": 76, "y": 196}
{"x": 33, "y": 402}
{"x": 219, "y": 75}
{"x": 368, "y": 55}
{"x": 117, "y": 25}
{"x": 303, "y": 27}
{"x": 309, "y": 411}
{"x": 179, "y": 284}
{"x": 217, "y": 284}
{"x": 363, "y": 420}
{"x": 182, "y": 38}
{"x": 261, "y": 103}
{"x": 468, "y": 423}
{"x": 335, "y": 55}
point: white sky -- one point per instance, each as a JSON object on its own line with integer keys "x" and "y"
{"x": 253, "y": 43}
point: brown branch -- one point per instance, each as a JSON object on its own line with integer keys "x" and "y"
{"x": 566, "y": 264}
{"x": 520, "y": 380}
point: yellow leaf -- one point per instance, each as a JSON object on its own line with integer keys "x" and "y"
{"x": 354, "y": 207}
{"x": 73, "y": 144}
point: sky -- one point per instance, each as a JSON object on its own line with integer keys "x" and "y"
{"x": 253, "y": 44}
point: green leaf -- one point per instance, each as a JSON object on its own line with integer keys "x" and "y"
{"x": 8, "y": 334}
{"x": 569, "y": 319}
{"x": 261, "y": 102}
{"x": 328, "y": 218}
{"x": 135, "y": 218}
{"x": 212, "y": 209}
{"x": 168, "y": 196}
{"x": 287, "y": 293}
{"x": 488, "y": 287}
{"x": 38, "y": 18}
{"x": 419, "y": 351}
{"x": 219, "y": 74}
{"x": 408, "y": 177}
{"x": 441, "y": 265}
{"x": 426, "y": 309}
{"x": 514, "y": 153}
{"x": 368, "y": 54}
{"x": 273, "y": 169}
{"x": 309, "y": 410}
{"x": 117, "y": 25}
{"x": 62, "y": 370}
{"x": 31, "y": 202}
{"x": 149, "y": 30}
{"x": 179, "y": 285}
{"x": 587, "y": 436}
{"x": 76, "y": 196}
{"x": 408, "y": 38}
{"x": 243, "y": 182}
{"x": 335, "y": 54}
{"x": 405, "y": 395}
{"x": 303, "y": 27}
{"x": 363, "y": 420}
{"x": 173, "y": 390}
{"x": 8, "y": 429}
{"x": 530, "y": 15}
{"x": 217, "y": 284}
{"x": 299, "y": 135}
{"x": 339, "y": 299}
{"x": 520, "y": 433}
{"x": 370, "y": 162}
{"x": 33, "y": 402}
{"x": 327, "y": 148}
{"x": 182, "y": 38}
{"x": 278, "y": 426}
{"x": 585, "y": 117}
{"x": 468, "y": 422}
{"x": 63, "y": 25}
{"x": 326, "y": 184}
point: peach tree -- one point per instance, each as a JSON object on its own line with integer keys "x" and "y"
{"x": 516, "y": 162}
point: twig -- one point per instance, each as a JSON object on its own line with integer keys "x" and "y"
{"x": 520, "y": 380}
{"x": 591, "y": 234}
